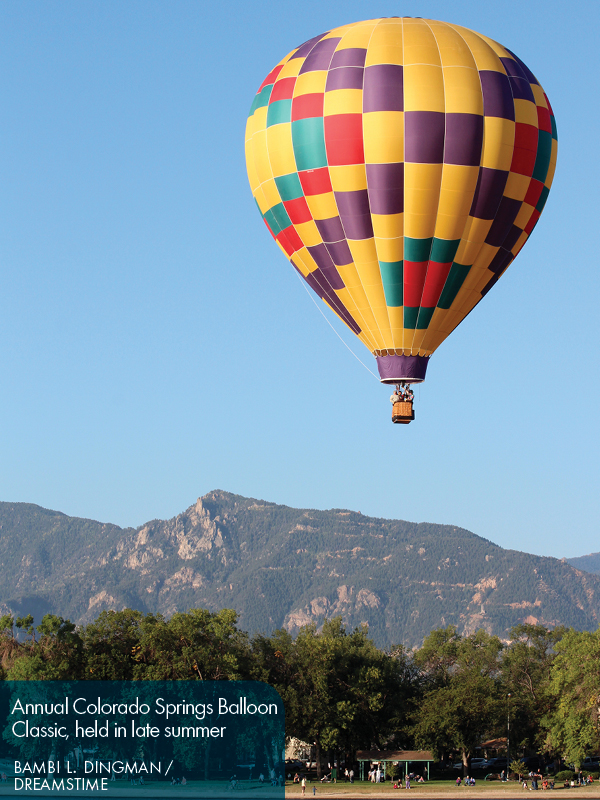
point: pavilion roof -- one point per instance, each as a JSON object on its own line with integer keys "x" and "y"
{"x": 495, "y": 743}
{"x": 394, "y": 755}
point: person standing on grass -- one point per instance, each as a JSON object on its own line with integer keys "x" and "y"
{"x": 303, "y": 785}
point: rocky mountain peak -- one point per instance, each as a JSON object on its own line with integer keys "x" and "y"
{"x": 281, "y": 566}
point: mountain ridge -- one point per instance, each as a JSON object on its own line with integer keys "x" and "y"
{"x": 588, "y": 563}
{"x": 285, "y": 567}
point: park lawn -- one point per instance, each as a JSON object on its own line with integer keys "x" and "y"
{"x": 491, "y": 790}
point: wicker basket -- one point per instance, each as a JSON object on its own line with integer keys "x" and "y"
{"x": 403, "y": 412}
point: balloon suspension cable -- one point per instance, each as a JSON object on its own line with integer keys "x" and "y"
{"x": 331, "y": 326}
{"x": 403, "y": 389}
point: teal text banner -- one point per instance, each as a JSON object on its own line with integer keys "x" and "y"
{"x": 153, "y": 738}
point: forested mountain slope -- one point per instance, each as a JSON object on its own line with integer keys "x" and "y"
{"x": 280, "y": 566}
{"x": 589, "y": 563}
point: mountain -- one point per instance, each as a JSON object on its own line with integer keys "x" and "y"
{"x": 589, "y": 563}
{"x": 280, "y": 566}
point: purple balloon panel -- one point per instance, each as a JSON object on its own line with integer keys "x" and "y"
{"x": 396, "y": 369}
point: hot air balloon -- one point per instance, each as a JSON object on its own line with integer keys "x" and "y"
{"x": 401, "y": 164}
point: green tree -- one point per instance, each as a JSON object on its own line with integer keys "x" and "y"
{"x": 438, "y": 655}
{"x": 526, "y": 674}
{"x": 196, "y": 645}
{"x": 7, "y": 623}
{"x": 110, "y": 645}
{"x": 274, "y": 661}
{"x": 575, "y": 683}
{"x": 9, "y": 645}
{"x": 57, "y": 655}
{"x": 461, "y": 701}
{"x": 26, "y": 624}
{"x": 517, "y": 767}
{"x": 340, "y": 691}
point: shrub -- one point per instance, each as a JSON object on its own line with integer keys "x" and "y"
{"x": 517, "y": 767}
{"x": 565, "y": 775}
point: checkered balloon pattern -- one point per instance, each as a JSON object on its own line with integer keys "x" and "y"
{"x": 401, "y": 164}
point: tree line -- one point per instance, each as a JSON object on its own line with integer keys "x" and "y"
{"x": 341, "y": 692}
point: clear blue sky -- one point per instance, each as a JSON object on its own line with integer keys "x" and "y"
{"x": 155, "y": 344}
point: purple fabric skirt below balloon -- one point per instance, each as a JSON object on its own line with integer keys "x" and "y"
{"x": 398, "y": 369}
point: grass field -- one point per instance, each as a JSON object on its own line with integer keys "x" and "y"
{"x": 494, "y": 790}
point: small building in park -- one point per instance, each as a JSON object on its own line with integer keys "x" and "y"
{"x": 386, "y": 758}
{"x": 493, "y": 747}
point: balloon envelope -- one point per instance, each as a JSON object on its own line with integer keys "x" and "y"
{"x": 401, "y": 164}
